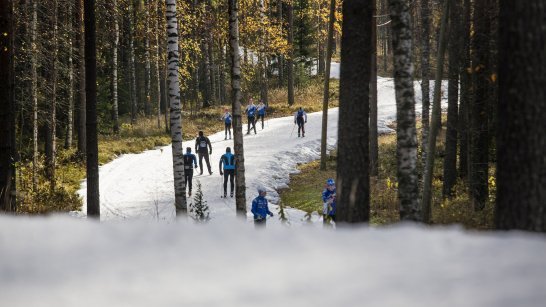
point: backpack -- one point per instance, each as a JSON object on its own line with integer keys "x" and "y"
{"x": 188, "y": 159}
{"x": 202, "y": 142}
{"x": 300, "y": 113}
{"x": 228, "y": 119}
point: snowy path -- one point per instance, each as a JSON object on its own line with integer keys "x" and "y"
{"x": 140, "y": 186}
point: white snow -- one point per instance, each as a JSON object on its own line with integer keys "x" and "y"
{"x": 59, "y": 261}
{"x": 140, "y": 186}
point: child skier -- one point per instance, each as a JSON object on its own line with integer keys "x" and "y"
{"x": 228, "y": 160}
{"x": 227, "y": 122}
{"x": 260, "y": 208}
{"x": 188, "y": 169}
{"x": 329, "y": 201}
{"x": 300, "y": 118}
{"x": 251, "y": 116}
{"x": 201, "y": 144}
{"x": 261, "y": 112}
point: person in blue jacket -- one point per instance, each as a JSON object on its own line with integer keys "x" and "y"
{"x": 329, "y": 201}
{"x": 261, "y": 112}
{"x": 251, "y": 116}
{"x": 260, "y": 208}
{"x": 228, "y": 160}
{"x": 189, "y": 158}
{"x": 227, "y": 123}
{"x": 300, "y": 118}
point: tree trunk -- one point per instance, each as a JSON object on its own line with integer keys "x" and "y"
{"x": 221, "y": 71}
{"x": 240, "y": 187}
{"x": 450, "y": 159}
{"x": 425, "y": 77}
{"x": 134, "y": 106}
{"x": 70, "y": 115}
{"x": 82, "y": 107}
{"x": 34, "y": 93}
{"x": 7, "y": 109}
{"x": 157, "y": 56}
{"x": 176, "y": 115}
{"x": 481, "y": 79}
{"x": 406, "y": 132}
{"x": 147, "y": 62}
{"x": 212, "y": 78}
{"x": 521, "y": 163}
{"x": 374, "y": 145}
{"x": 464, "y": 93}
{"x": 51, "y": 143}
{"x": 290, "y": 60}
{"x": 326, "y": 96}
{"x": 436, "y": 118}
{"x": 353, "y": 137}
{"x": 115, "y": 45}
{"x": 93, "y": 200}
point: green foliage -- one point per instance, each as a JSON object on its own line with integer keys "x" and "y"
{"x": 199, "y": 210}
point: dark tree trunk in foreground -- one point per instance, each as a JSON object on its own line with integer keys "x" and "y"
{"x": 521, "y": 153}
{"x": 7, "y": 109}
{"x": 290, "y": 60}
{"x": 374, "y": 137}
{"x": 406, "y": 132}
{"x": 465, "y": 94}
{"x": 240, "y": 187}
{"x": 93, "y": 201}
{"x": 326, "y": 96}
{"x": 353, "y": 137}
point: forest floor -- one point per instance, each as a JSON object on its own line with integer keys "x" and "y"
{"x": 305, "y": 189}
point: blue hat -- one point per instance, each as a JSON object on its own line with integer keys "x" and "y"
{"x": 330, "y": 181}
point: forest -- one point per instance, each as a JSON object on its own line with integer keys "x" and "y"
{"x": 83, "y": 82}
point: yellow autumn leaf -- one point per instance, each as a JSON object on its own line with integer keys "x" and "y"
{"x": 493, "y": 78}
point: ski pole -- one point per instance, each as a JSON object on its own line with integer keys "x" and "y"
{"x": 292, "y": 130}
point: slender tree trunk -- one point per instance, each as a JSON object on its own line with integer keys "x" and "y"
{"x": 326, "y": 95}
{"x": 425, "y": 76}
{"x": 353, "y": 186}
{"x": 34, "y": 93}
{"x": 70, "y": 115}
{"x": 406, "y": 132}
{"x": 481, "y": 80}
{"x": 374, "y": 145}
{"x": 147, "y": 62}
{"x": 176, "y": 115}
{"x": 464, "y": 93}
{"x": 521, "y": 162}
{"x": 7, "y": 109}
{"x": 212, "y": 78}
{"x": 436, "y": 118}
{"x": 221, "y": 71}
{"x": 290, "y": 60}
{"x": 450, "y": 159}
{"x": 115, "y": 46}
{"x": 240, "y": 186}
{"x": 132, "y": 72}
{"x": 51, "y": 146}
{"x": 207, "y": 88}
{"x": 157, "y": 57}
{"x": 93, "y": 200}
{"x": 280, "y": 58}
{"x": 82, "y": 107}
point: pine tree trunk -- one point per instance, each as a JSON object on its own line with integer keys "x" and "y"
{"x": 157, "y": 56}
{"x": 406, "y": 132}
{"x": 326, "y": 95}
{"x": 176, "y": 115}
{"x": 115, "y": 46}
{"x": 240, "y": 186}
{"x": 210, "y": 56}
{"x": 147, "y": 62}
{"x": 425, "y": 76}
{"x": 132, "y": 64}
{"x": 93, "y": 200}
{"x": 70, "y": 115}
{"x": 207, "y": 91}
{"x": 290, "y": 60}
{"x": 280, "y": 57}
{"x": 450, "y": 159}
{"x": 34, "y": 93}
{"x": 7, "y": 109}
{"x": 221, "y": 71}
{"x": 353, "y": 181}
{"x": 481, "y": 74}
{"x": 263, "y": 56}
{"x": 521, "y": 162}
{"x": 436, "y": 118}
{"x": 465, "y": 95}
{"x": 51, "y": 145}
{"x": 374, "y": 137}
{"x": 82, "y": 134}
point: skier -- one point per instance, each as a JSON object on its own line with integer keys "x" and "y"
{"x": 201, "y": 144}
{"x": 251, "y": 116}
{"x": 227, "y": 121}
{"x": 261, "y": 112}
{"x": 188, "y": 169}
{"x": 329, "y": 201}
{"x": 300, "y": 118}
{"x": 260, "y": 208}
{"x": 228, "y": 159}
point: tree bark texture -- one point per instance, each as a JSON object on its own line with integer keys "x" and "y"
{"x": 82, "y": 105}
{"x": 157, "y": 11}
{"x": 132, "y": 70}
{"x": 34, "y": 93}
{"x": 115, "y": 46}
{"x": 70, "y": 115}
{"x": 51, "y": 140}
{"x": 326, "y": 95}
{"x": 425, "y": 76}
{"x": 374, "y": 137}
{"x": 290, "y": 60}
{"x": 465, "y": 92}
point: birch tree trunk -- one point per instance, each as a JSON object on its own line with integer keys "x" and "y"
{"x": 436, "y": 118}
{"x": 82, "y": 134}
{"x": 34, "y": 93}
{"x": 70, "y": 115}
{"x": 326, "y": 95}
{"x": 406, "y": 132}
{"x": 425, "y": 77}
{"x": 93, "y": 200}
{"x": 115, "y": 46}
{"x": 240, "y": 186}
{"x": 374, "y": 145}
{"x": 353, "y": 181}
{"x": 176, "y": 116}
{"x": 51, "y": 143}
{"x": 521, "y": 152}
{"x": 290, "y": 60}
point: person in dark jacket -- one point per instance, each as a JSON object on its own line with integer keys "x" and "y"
{"x": 300, "y": 118}
{"x": 203, "y": 148}
{"x": 189, "y": 159}
{"x": 260, "y": 208}
{"x": 251, "y": 116}
{"x": 227, "y": 124}
{"x": 228, "y": 160}
{"x": 261, "y": 112}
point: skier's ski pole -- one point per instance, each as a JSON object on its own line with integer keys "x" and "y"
{"x": 292, "y": 130}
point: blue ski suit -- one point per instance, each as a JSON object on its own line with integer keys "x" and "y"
{"x": 329, "y": 202}
{"x": 260, "y": 208}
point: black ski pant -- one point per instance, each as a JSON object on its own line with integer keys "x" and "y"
{"x": 301, "y": 125}
{"x": 188, "y": 176}
{"x": 261, "y": 117}
{"x": 228, "y": 129}
{"x": 260, "y": 223}
{"x": 251, "y": 120}
{"x": 228, "y": 173}
{"x": 206, "y": 156}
